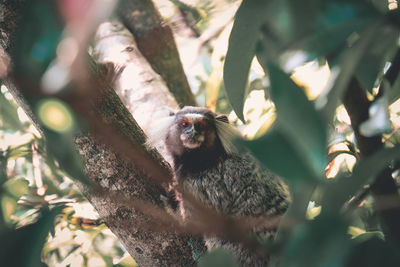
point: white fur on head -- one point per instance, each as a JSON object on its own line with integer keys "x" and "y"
{"x": 160, "y": 130}
{"x": 227, "y": 133}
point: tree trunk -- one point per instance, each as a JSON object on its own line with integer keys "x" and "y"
{"x": 121, "y": 169}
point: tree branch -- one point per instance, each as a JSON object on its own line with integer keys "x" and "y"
{"x": 114, "y": 172}
{"x": 357, "y": 106}
{"x": 156, "y": 42}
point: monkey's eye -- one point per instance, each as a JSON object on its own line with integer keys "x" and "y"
{"x": 184, "y": 124}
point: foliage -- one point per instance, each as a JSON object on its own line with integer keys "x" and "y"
{"x": 348, "y": 35}
{"x": 304, "y": 139}
{"x": 37, "y": 197}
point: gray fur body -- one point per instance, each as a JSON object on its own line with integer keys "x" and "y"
{"x": 231, "y": 183}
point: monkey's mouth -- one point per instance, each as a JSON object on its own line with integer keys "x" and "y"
{"x": 192, "y": 142}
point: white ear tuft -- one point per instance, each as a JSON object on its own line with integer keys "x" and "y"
{"x": 227, "y": 133}
{"x": 159, "y": 131}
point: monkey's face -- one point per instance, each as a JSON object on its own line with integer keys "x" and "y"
{"x": 192, "y": 131}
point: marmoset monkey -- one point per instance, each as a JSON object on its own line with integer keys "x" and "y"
{"x": 208, "y": 166}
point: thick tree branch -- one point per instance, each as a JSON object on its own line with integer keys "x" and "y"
{"x": 156, "y": 42}
{"x": 114, "y": 172}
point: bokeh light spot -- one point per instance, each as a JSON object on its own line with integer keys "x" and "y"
{"x": 55, "y": 115}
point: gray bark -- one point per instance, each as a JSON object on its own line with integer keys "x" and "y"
{"x": 122, "y": 179}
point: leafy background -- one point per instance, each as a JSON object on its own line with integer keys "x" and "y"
{"x": 281, "y": 70}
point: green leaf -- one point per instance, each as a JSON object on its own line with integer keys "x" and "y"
{"x": 336, "y": 21}
{"x": 23, "y": 150}
{"x": 322, "y": 28}
{"x": 299, "y": 119}
{"x": 62, "y": 148}
{"x": 364, "y": 173}
{"x": 320, "y": 242}
{"x": 8, "y": 207}
{"x": 349, "y": 61}
{"x": 275, "y": 150}
{"x": 241, "y": 50}
{"x": 373, "y": 252}
{"x": 24, "y": 245}
{"x": 218, "y": 257}
{"x": 378, "y": 53}
{"x": 16, "y": 187}
{"x": 368, "y": 235}
{"x": 35, "y": 40}
{"x": 299, "y": 136}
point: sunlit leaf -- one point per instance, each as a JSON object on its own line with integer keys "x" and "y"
{"x": 16, "y": 187}
{"x": 216, "y": 258}
{"x": 364, "y": 173}
{"x": 8, "y": 207}
{"x": 242, "y": 45}
{"x": 355, "y": 231}
{"x": 368, "y": 235}
{"x": 23, "y": 150}
{"x": 8, "y": 115}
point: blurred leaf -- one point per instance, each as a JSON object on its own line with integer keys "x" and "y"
{"x": 276, "y": 150}
{"x": 16, "y": 187}
{"x": 298, "y": 136}
{"x": 126, "y": 261}
{"x": 323, "y": 27}
{"x": 241, "y": 50}
{"x": 379, "y": 118}
{"x": 380, "y": 51}
{"x": 381, "y": 5}
{"x": 349, "y": 61}
{"x": 218, "y": 257}
{"x": 313, "y": 212}
{"x": 24, "y": 245}
{"x": 8, "y": 207}
{"x": 8, "y": 115}
{"x": 320, "y": 242}
{"x": 368, "y": 235}
{"x": 373, "y": 252}
{"x": 36, "y": 39}
{"x": 3, "y": 167}
{"x": 299, "y": 120}
{"x": 62, "y": 147}
{"x": 355, "y": 231}
{"x": 21, "y": 151}
{"x": 364, "y": 173}
{"x": 395, "y": 91}
{"x": 337, "y": 20}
